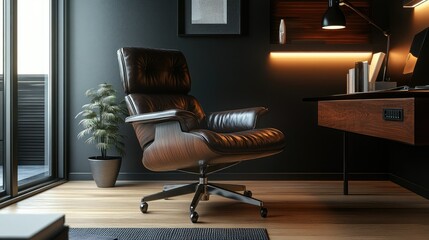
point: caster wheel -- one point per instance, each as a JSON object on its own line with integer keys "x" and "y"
{"x": 247, "y": 193}
{"x": 194, "y": 217}
{"x": 264, "y": 212}
{"x": 143, "y": 207}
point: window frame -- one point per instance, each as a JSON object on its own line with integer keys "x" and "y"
{"x": 55, "y": 121}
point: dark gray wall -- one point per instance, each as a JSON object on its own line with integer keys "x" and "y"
{"x": 227, "y": 73}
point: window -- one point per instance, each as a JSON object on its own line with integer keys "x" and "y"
{"x": 33, "y": 83}
{"x": 2, "y": 162}
{"x": 30, "y": 91}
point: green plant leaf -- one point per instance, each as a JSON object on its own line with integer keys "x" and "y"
{"x": 100, "y": 119}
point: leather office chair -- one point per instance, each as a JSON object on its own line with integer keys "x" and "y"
{"x": 175, "y": 133}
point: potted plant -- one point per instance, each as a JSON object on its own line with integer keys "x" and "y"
{"x": 100, "y": 119}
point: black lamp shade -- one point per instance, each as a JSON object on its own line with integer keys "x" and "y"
{"x": 333, "y": 17}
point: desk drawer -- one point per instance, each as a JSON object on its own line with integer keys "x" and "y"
{"x": 365, "y": 116}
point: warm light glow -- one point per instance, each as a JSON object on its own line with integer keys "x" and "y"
{"x": 315, "y": 67}
{"x": 410, "y": 63}
{"x": 334, "y": 27}
{"x": 422, "y": 9}
{"x": 317, "y": 61}
{"x": 321, "y": 55}
{"x": 420, "y": 18}
{"x": 415, "y": 5}
{"x": 397, "y": 58}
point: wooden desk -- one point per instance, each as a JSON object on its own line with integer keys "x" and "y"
{"x": 401, "y": 116}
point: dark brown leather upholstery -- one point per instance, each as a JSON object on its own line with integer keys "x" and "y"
{"x": 250, "y": 141}
{"x": 235, "y": 120}
{"x": 154, "y": 71}
{"x": 155, "y": 80}
{"x": 158, "y": 80}
{"x": 175, "y": 133}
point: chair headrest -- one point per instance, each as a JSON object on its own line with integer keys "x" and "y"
{"x": 153, "y": 71}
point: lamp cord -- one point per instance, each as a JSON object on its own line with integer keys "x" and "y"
{"x": 385, "y": 33}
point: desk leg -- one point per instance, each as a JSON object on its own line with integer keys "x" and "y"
{"x": 345, "y": 167}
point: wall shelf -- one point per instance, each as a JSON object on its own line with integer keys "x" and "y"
{"x": 318, "y": 47}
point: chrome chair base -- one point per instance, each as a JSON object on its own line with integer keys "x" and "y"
{"x": 202, "y": 191}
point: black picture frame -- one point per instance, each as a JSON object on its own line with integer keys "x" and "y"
{"x": 234, "y": 24}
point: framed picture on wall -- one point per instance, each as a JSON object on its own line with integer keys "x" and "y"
{"x": 210, "y": 17}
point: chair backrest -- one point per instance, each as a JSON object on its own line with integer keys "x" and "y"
{"x": 154, "y": 71}
{"x": 155, "y": 80}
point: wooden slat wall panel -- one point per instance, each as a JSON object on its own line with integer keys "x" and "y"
{"x": 303, "y": 22}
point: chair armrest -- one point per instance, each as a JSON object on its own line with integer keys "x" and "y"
{"x": 187, "y": 119}
{"x": 235, "y": 120}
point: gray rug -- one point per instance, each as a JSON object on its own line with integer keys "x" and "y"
{"x": 168, "y": 234}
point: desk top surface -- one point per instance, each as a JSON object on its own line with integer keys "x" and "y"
{"x": 410, "y": 93}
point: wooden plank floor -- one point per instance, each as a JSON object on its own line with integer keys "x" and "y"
{"x": 297, "y": 209}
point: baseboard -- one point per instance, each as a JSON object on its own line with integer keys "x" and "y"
{"x": 416, "y": 188}
{"x": 177, "y": 176}
{"x": 171, "y": 176}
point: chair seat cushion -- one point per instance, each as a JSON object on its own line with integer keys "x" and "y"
{"x": 251, "y": 141}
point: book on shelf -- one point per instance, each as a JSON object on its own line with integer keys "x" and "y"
{"x": 375, "y": 66}
{"x": 351, "y": 81}
{"x": 361, "y": 76}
